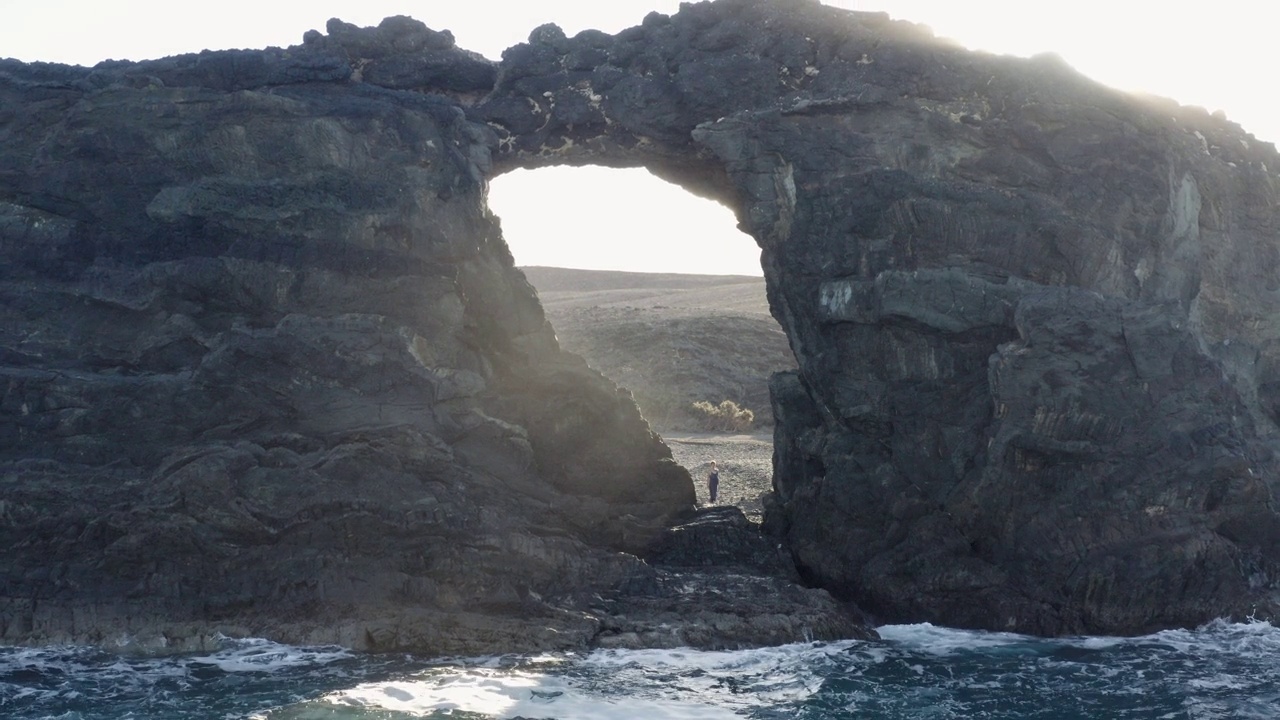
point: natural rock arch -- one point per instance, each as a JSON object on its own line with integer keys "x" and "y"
{"x": 610, "y": 230}
{"x": 267, "y": 364}
{"x": 1011, "y": 292}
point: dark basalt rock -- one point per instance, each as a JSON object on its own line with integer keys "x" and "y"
{"x": 1032, "y": 314}
{"x": 267, "y": 367}
{"x": 720, "y": 584}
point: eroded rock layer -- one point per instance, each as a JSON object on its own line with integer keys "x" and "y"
{"x": 267, "y": 365}
{"x": 1035, "y": 318}
{"x": 267, "y": 368}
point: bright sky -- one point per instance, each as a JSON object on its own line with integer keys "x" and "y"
{"x": 1220, "y": 55}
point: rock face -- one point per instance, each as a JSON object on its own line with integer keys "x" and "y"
{"x": 267, "y": 364}
{"x": 1035, "y": 318}
{"x": 266, "y": 368}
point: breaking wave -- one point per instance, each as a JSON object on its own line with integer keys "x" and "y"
{"x": 1223, "y": 670}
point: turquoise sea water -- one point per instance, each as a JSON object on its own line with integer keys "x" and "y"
{"x": 1222, "y": 670}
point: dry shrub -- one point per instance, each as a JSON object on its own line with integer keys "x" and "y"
{"x": 725, "y": 417}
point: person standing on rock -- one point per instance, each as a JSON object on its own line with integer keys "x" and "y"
{"x": 713, "y": 481}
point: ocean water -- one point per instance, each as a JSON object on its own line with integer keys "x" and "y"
{"x": 1222, "y": 670}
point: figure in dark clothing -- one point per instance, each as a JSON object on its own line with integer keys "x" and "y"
{"x": 713, "y": 481}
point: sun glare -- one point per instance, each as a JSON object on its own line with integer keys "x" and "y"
{"x": 597, "y": 218}
{"x": 1214, "y": 56}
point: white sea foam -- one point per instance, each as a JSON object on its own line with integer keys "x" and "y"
{"x": 1097, "y": 642}
{"x": 1251, "y": 639}
{"x": 1257, "y": 638}
{"x": 85, "y": 682}
{"x": 945, "y": 641}
{"x": 258, "y": 655}
{"x": 712, "y": 660}
{"x": 679, "y": 684}
{"x": 508, "y": 694}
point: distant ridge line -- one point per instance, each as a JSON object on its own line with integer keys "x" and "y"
{"x": 551, "y": 279}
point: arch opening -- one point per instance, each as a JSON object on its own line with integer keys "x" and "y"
{"x": 657, "y": 290}
{"x": 617, "y": 219}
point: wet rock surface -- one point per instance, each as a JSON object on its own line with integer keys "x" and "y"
{"x": 267, "y": 366}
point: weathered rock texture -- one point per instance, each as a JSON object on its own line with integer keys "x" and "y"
{"x": 266, "y": 359}
{"x": 1035, "y": 318}
{"x": 266, "y": 367}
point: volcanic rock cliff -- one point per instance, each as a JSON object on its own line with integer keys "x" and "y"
{"x": 1034, "y": 317}
{"x": 268, "y": 369}
{"x": 267, "y": 364}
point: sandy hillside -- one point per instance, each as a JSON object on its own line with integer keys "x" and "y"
{"x": 671, "y": 339}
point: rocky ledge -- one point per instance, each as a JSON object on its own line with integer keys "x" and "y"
{"x": 267, "y": 367}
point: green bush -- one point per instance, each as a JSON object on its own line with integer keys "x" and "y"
{"x": 725, "y": 417}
